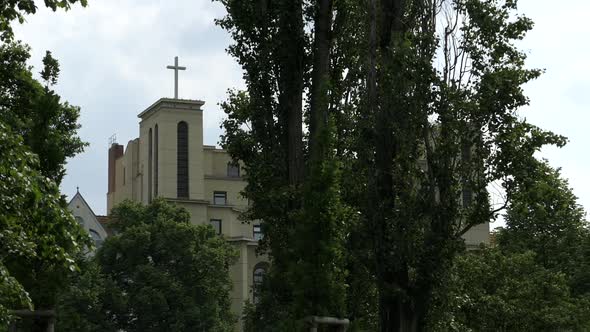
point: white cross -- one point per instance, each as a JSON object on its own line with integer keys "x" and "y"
{"x": 176, "y": 69}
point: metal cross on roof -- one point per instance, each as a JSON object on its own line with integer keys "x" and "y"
{"x": 176, "y": 68}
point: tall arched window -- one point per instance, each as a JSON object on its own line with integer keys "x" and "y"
{"x": 257, "y": 279}
{"x": 150, "y": 161}
{"x": 156, "y": 161}
{"x": 182, "y": 160}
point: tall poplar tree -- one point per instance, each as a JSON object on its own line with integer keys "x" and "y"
{"x": 293, "y": 181}
{"x": 443, "y": 90}
{"x": 422, "y": 99}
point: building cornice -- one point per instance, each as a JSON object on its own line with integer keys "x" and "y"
{"x": 239, "y": 239}
{"x": 188, "y": 200}
{"x": 225, "y": 178}
{"x": 169, "y": 103}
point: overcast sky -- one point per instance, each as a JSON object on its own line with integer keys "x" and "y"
{"x": 113, "y": 56}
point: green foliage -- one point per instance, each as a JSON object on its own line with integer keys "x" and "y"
{"x": 48, "y": 126}
{"x": 160, "y": 272}
{"x": 536, "y": 278}
{"x": 296, "y": 195}
{"x": 493, "y": 291}
{"x": 38, "y": 234}
{"x": 422, "y": 119}
{"x": 11, "y": 10}
{"x": 544, "y": 217}
{"x": 50, "y": 70}
{"x": 86, "y": 302}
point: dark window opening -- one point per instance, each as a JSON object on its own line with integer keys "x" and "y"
{"x": 257, "y": 233}
{"x": 150, "y": 161}
{"x": 467, "y": 197}
{"x": 233, "y": 170}
{"x": 257, "y": 280}
{"x": 219, "y": 198}
{"x": 156, "y": 161}
{"x": 216, "y": 223}
{"x": 182, "y": 161}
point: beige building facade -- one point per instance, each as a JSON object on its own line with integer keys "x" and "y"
{"x": 169, "y": 160}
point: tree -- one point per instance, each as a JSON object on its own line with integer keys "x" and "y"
{"x": 34, "y": 116}
{"x": 545, "y": 217}
{"x": 35, "y": 228}
{"x": 424, "y": 119}
{"x": 162, "y": 272}
{"x": 535, "y": 276}
{"x": 293, "y": 183}
{"x": 87, "y": 301}
{"x": 494, "y": 291}
{"x": 442, "y": 124}
{"x": 48, "y": 129}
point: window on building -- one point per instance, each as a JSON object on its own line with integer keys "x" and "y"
{"x": 182, "y": 160}
{"x": 156, "y": 161}
{"x": 257, "y": 233}
{"x": 257, "y": 279}
{"x": 220, "y": 198}
{"x": 96, "y": 237}
{"x": 233, "y": 169}
{"x": 467, "y": 197}
{"x": 80, "y": 220}
{"x": 150, "y": 161}
{"x": 124, "y": 175}
{"x": 216, "y": 223}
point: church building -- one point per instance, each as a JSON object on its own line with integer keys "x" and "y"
{"x": 169, "y": 160}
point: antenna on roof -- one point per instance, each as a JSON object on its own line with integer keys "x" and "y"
{"x": 112, "y": 140}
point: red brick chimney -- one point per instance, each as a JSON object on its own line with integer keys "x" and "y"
{"x": 115, "y": 152}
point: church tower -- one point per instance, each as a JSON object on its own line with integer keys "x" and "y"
{"x": 171, "y": 153}
{"x": 169, "y": 160}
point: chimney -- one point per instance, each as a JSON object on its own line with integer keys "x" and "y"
{"x": 115, "y": 152}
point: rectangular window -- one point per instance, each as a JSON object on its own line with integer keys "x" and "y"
{"x": 467, "y": 197}
{"x": 219, "y": 198}
{"x": 233, "y": 170}
{"x": 257, "y": 230}
{"x": 216, "y": 223}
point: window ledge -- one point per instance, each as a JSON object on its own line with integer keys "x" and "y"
{"x": 224, "y": 177}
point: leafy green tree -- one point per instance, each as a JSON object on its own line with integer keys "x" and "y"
{"x": 161, "y": 272}
{"x": 421, "y": 117}
{"x": 545, "y": 217}
{"x": 293, "y": 180}
{"x": 34, "y": 116}
{"x": 440, "y": 124}
{"x": 535, "y": 278}
{"x": 36, "y": 230}
{"x": 493, "y": 291}
{"x": 48, "y": 129}
{"x": 88, "y": 300}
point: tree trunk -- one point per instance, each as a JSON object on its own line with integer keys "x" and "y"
{"x": 292, "y": 55}
{"x": 397, "y": 306}
{"x": 396, "y": 316}
{"x": 320, "y": 80}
